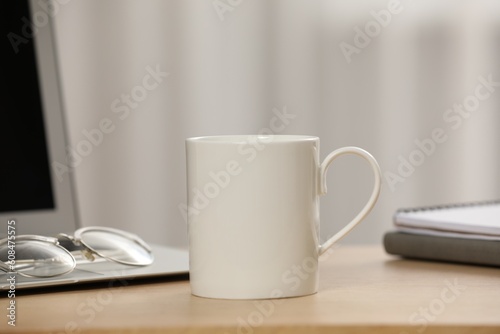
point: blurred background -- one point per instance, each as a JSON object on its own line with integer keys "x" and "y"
{"x": 386, "y": 76}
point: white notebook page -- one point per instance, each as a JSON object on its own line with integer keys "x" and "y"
{"x": 482, "y": 219}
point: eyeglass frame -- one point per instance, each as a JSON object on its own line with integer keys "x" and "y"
{"x": 77, "y": 240}
{"x": 33, "y": 237}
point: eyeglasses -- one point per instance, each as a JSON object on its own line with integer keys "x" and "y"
{"x": 42, "y": 257}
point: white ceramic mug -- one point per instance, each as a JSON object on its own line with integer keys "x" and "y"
{"x": 253, "y": 214}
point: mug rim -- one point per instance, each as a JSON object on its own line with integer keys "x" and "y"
{"x": 241, "y": 139}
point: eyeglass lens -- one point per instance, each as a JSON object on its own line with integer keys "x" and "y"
{"x": 39, "y": 259}
{"x": 116, "y": 247}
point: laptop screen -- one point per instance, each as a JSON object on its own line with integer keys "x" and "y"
{"x": 26, "y": 179}
{"x": 32, "y": 125}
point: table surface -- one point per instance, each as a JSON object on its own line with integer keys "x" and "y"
{"x": 362, "y": 289}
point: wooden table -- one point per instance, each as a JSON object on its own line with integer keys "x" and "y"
{"x": 362, "y": 290}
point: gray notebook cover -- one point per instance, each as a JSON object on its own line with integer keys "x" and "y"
{"x": 439, "y": 248}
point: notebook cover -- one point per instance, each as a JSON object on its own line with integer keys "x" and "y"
{"x": 439, "y": 248}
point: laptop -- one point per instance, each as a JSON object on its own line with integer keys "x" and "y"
{"x": 32, "y": 193}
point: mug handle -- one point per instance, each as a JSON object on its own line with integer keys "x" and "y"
{"x": 368, "y": 206}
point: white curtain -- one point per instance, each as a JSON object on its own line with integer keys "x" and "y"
{"x": 233, "y": 64}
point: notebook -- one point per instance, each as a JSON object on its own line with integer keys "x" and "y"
{"x": 464, "y": 233}
{"x": 479, "y": 219}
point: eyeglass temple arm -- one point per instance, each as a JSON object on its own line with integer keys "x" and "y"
{"x": 4, "y": 267}
{"x": 69, "y": 242}
{"x": 19, "y": 265}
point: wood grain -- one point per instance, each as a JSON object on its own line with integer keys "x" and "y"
{"x": 362, "y": 290}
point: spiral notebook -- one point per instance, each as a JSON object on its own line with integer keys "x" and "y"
{"x": 478, "y": 220}
{"x": 465, "y": 233}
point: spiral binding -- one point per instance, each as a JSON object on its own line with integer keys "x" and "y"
{"x": 448, "y": 206}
